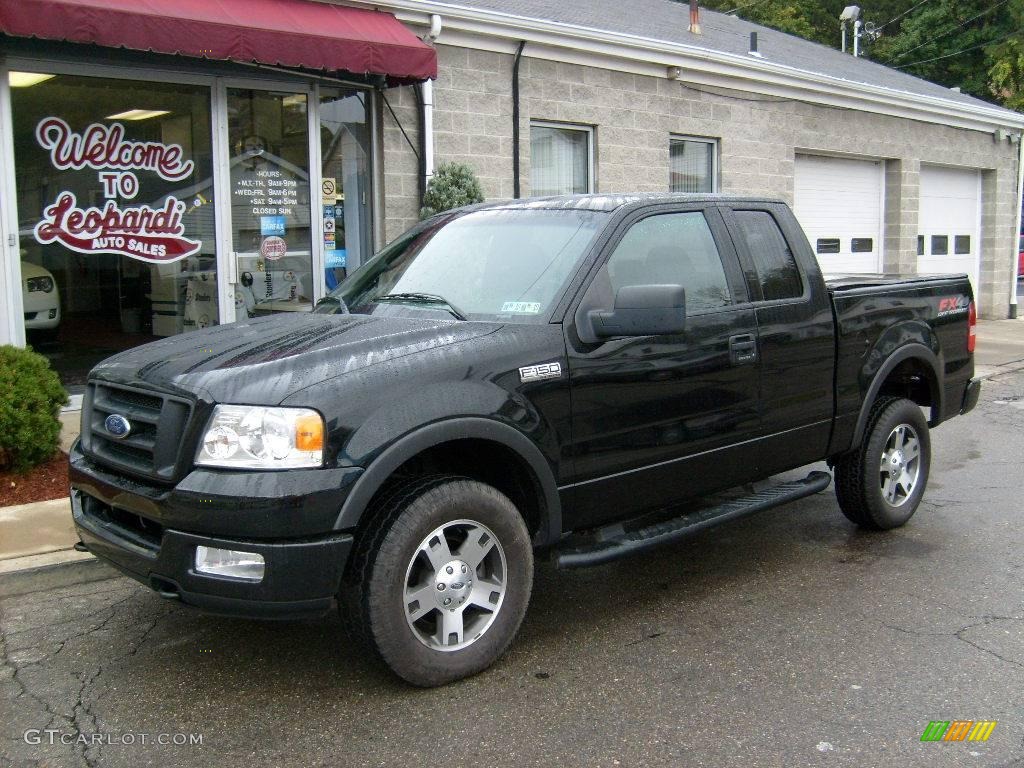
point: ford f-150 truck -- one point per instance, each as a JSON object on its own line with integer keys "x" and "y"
{"x": 583, "y": 376}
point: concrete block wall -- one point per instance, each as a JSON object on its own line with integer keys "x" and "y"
{"x": 633, "y": 117}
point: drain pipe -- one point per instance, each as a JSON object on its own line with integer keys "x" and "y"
{"x": 426, "y": 99}
{"x": 516, "y": 191}
{"x": 1016, "y": 229}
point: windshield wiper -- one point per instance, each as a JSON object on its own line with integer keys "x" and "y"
{"x": 426, "y": 298}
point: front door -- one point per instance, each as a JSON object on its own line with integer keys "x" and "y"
{"x": 271, "y": 222}
{"x": 657, "y": 419}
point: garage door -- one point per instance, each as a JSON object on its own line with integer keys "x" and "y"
{"x": 839, "y": 205}
{"x": 949, "y": 226}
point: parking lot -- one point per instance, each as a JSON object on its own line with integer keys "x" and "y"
{"x": 786, "y": 639}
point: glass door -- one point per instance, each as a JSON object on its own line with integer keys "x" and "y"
{"x": 270, "y": 214}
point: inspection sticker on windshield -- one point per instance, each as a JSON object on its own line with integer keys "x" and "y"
{"x": 521, "y": 307}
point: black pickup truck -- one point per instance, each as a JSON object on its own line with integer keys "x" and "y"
{"x": 584, "y": 376}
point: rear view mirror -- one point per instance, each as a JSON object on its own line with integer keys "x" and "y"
{"x": 642, "y": 310}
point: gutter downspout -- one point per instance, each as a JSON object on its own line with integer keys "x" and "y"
{"x": 426, "y": 98}
{"x": 1016, "y": 229}
{"x": 516, "y": 190}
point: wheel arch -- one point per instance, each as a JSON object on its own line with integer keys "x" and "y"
{"x": 894, "y": 376}
{"x": 488, "y": 441}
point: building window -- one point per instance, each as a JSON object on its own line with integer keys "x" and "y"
{"x": 692, "y": 165}
{"x": 828, "y": 245}
{"x": 962, "y": 245}
{"x": 561, "y": 159}
{"x": 940, "y": 245}
{"x": 862, "y": 245}
{"x": 920, "y": 245}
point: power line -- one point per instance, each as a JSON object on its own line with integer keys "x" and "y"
{"x": 951, "y": 31}
{"x": 744, "y": 7}
{"x": 897, "y": 18}
{"x": 957, "y": 53}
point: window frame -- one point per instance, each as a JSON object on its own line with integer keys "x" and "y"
{"x": 715, "y": 145}
{"x": 591, "y": 135}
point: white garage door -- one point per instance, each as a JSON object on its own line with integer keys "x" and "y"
{"x": 839, "y": 205}
{"x": 949, "y": 225}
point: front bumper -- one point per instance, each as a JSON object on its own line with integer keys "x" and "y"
{"x": 139, "y": 530}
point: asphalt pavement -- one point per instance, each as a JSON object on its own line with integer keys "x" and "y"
{"x": 786, "y": 639}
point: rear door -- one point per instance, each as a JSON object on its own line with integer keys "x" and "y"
{"x": 656, "y": 419}
{"x": 795, "y": 330}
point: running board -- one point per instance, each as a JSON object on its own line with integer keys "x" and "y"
{"x": 623, "y": 544}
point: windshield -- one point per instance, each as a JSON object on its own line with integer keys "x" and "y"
{"x": 500, "y": 264}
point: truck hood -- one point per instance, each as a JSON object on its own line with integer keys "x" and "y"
{"x": 265, "y": 360}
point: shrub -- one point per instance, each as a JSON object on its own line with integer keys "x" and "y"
{"x": 453, "y": 185}
{"x": 30, "y": 400}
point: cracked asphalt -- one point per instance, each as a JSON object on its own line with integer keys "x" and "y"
{"x": 786, "y": 639}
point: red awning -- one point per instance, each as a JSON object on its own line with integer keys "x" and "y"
{"x": 288, "y": 33}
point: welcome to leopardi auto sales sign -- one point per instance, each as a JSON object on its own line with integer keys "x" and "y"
{"x": 155, "y": 235}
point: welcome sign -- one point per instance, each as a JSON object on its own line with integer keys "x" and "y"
{"x": 154, "y": 235}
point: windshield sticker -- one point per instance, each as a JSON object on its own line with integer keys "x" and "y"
{"x": 521, "y": 307}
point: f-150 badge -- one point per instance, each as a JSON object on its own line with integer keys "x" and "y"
{"x": 540, "y": 371}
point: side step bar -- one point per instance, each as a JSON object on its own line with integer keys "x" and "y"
{"x": 624, "y": 544}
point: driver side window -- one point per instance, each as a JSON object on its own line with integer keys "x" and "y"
{"x": 667, "y": 249}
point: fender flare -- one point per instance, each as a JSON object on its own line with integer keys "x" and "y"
{"x": 396, "y": 454}
{"x": 910, "y": 351}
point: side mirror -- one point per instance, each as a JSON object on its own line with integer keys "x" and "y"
{"x": 642, "y": 310}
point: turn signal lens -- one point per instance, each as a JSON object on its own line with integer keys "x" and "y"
{"x": 309, "y": 433}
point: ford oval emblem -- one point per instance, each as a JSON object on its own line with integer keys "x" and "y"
{"x": 117, "y": 426}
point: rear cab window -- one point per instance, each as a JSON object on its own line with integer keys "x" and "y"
{"x": 777, "y": 271}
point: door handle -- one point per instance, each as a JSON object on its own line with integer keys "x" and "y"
{"x": 742, "y": 349}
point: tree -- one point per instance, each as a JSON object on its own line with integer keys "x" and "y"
{"x": 452, "y": 186}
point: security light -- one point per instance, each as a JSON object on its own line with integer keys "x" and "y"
{"x": 850, "y": 13}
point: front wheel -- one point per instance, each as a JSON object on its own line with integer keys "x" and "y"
{"x": 879, "y": 485}
{"x": 441, "y": 579}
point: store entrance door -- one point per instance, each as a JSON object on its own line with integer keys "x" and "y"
{"x": 270, "y": 215}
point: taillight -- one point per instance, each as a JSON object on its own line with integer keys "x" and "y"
{"x": 972, "y": 327}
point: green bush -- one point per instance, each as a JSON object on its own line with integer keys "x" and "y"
{"x": 453, "y": 185}
{"x": 30, "y": 400}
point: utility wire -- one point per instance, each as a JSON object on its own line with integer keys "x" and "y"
{"x": 744, "y": 7}
{"x": 897, "y": 18}
{"x": 954, "y": 29}
{"x": 964, "y": 50}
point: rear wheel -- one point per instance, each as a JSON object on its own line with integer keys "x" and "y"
{"x": 880, "y": 485}
{"x": 440, "y": 579}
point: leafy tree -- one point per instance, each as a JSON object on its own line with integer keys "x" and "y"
{"x": 976, "y": 45}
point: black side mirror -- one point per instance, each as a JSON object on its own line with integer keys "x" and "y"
{"x": 642, "y": 310}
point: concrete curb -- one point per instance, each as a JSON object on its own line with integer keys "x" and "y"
{"x": 21, "y": 575}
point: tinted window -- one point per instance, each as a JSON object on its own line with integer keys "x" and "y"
{"x": 862, "y": 245}
{"x": 669, "y": 249}
{"x": 828, "y": 245}
{"x": 776, "y": 267}
{"x": 962, "y": 244}
{"x": 940, "y": 245}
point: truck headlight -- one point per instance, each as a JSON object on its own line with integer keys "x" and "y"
{"x": 254, "y": 437}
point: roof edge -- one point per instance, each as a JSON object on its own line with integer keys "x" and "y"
{"x": 705, "y": 66}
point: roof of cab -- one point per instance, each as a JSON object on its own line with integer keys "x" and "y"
{"x": 612, "y": 202}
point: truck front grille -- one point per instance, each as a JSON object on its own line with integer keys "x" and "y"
{"x": 153, "y": 446}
